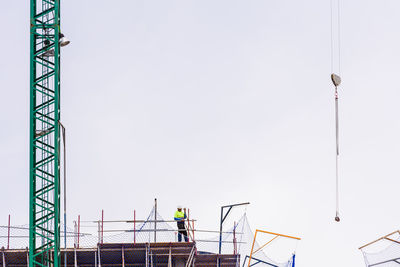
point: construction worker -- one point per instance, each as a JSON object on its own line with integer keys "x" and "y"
{"x": 180, "y": 221}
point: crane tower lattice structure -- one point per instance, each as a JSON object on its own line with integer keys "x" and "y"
{"x": 44, "y": 206}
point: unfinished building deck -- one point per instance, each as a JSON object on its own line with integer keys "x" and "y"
{"x": 174, "y": 254}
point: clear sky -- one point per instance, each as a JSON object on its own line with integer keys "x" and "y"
{"x": 206, "y": 103}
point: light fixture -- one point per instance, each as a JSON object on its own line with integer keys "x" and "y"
{"x": 49, "y": 53}
{"x": 336, "y": 79}
{"x": 63, "y": 40}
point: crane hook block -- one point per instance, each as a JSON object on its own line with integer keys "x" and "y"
{"x": 336, "y": 79}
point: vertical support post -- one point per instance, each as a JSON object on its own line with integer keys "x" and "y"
{"x": 188, "y": 224}
{"x": 8, "y": 235}
{"x": 75, "y": 258}
{"x": 234, "y": 238}
{"x": 193, "y": 229}
{"x": 169, "y": 257}
{"x": 147, "y": 255}
{"x": 32, "y": 134}
{"x": 190, "y": 257}
{"x": 95, "y": 258}
{"x": 252, "y": 247}
{"x": 57, "y": 186}
{"x": 4, "y": 257}
{"x": 99, "y": 255}
{"x": 123, "y": 257}
{"x": 102, "y": 225}
{"x": 79, "y": 228}
{"x": 134, "y": 226}
{"x": 155, "y": 220}
{"x": 65, "y": 192}
{"x": 98, "y": 232}
{"x": 75, "y": 233}
{"x": 220, "y": 231}
{"x": 27, "y": 257}
{"x": 65, "y": 257}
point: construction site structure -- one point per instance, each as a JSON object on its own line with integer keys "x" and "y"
{"x": 146, "y": 242}
{"x": 177, "y": 254}
{"x": 101, "y": 250}
{"x": 154, "y": 242}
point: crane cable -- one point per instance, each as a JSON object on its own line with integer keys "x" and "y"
{"x": 337, "y": 218}
{"x": 335, "y": 36}
{"x": 335, "y": 66}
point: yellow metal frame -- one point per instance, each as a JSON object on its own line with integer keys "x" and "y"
{"x": 267, "y": 243}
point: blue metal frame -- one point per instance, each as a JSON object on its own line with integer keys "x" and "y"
{"x": 223, "y": 217}
{"x": 258, "y": 261}
{"x": 270, "y": 264}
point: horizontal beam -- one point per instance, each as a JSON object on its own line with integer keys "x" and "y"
{"x": 132, "y": 221}
{"x": 217, "y": 241}
{"x": 234, "y": 205}
{"x": 167, "y": 230}
{"x": 271, "y": 233}
{"x": 383, "y": 262}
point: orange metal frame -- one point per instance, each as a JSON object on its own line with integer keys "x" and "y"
{"x": 267, "y": 243}
{"x": 387, "y": 237}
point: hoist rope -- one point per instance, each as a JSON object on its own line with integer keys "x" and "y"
{"x": 338, "y": 33}
{"x": 337, "y": 150}
{"x": 335, "y": 67}
{"x": 332, "y": 44}
{"x": 335, "y": 36}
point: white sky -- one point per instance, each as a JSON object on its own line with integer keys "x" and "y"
{"x": 206, "y": 103}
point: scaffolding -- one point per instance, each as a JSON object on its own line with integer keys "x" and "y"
{"x": 141, "y": 242}
{"x": 179, "y": 254}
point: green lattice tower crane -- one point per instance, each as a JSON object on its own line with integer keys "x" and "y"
{"x": 44, "y": 206}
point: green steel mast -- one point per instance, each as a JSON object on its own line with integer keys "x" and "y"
{"x": 44, "y": 200}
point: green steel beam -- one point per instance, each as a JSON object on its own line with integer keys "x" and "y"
{"x": 44, "y": 200}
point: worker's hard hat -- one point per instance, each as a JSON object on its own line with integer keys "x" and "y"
{"x": 179, "y": 207}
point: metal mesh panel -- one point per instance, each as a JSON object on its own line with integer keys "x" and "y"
{"x": 384, "y": 253}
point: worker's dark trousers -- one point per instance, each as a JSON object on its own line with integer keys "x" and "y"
{"x": 182, "y": 231}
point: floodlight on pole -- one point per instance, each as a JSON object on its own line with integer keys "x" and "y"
{"x": 49, "y": 53}
{"x": 63, "y": 40}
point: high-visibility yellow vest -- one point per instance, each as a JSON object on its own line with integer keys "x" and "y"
{"x": 179, "y": 214}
